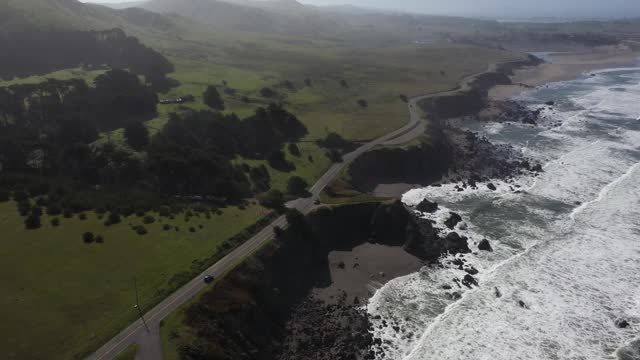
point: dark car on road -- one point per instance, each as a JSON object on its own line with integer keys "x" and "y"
{"x": 208, "y": 279}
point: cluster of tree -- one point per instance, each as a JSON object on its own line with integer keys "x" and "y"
{"x": 212, "y": 98}
{"x": 37, "y": 52}
{"x": 47, "y": 128}
{"x": 336, "y": 146}
{"x": 193, "y": 154}
{"x": 47, "y": 149}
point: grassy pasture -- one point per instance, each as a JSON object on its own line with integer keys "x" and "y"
{"x": 61, "y": 297}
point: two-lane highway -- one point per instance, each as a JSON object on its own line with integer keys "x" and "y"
{"x": 149, "y": 341}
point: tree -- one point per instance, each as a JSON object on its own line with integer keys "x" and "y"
{"x": 294, "y": 149}
{"x": 278, "y": 161}
{"x": 297, "y": 186}
{"x": 334, "y": 155}
{"x": 137, "y": 135}
{"x": 55, "y": 222}
{"x": 32, "y": 222}
{"x": 363, "y": 103}
{"x": 88, "y": 237}
{"x": 278, "y": 232}
{"x": 267, "y": 92}
{"x": 343, "y": 83}
{"x": 212, "y": 98}
{"x": 335, "y": 141}
{"x": 404, "y": 98}
{"x": 112, "y": 219}
{"x": 273, "y": 199}
{"x": 260, "y": 178}
{"x": 308, "y": 82}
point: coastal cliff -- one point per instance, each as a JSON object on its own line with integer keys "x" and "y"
{"x": 471, "y": 97}
{"x": 262, "y": 309}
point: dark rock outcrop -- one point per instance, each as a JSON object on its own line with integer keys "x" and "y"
{"x": 453, "y": 220}
{"x": 456, "y": 244}
{"x": 469, "y": 281}
{"x": 484, "y": 245}
{"x": 491, "y": 187}
{"x": 427, "y": 206}
{"x": 622, "y": 323}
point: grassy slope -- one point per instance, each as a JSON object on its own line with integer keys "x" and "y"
{"x": 62, "y": 297}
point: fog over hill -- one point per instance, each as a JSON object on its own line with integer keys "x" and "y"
{"x": 501, "y": 9}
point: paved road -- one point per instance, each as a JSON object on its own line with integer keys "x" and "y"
{"x": 149, "y": 340}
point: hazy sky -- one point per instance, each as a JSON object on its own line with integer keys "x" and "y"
{"x": 497, "y": 8}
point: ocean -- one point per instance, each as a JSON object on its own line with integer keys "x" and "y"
{"x": 566, "y": 261}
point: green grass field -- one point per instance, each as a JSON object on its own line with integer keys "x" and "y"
{"x": 62, "y": 297}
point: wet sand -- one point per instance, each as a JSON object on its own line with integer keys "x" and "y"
{"x": 366, "y": 268}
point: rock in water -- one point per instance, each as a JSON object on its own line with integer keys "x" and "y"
{"x": 492, "y": 187}
{"x": 622, "y": 323}
{"x": 427, "y": 206}
{"x": 522, "y": 304}
{"x": 456, "y": 244}
{"x": 497, "y": 292}
{"x": 484, "y": 245}
{"x": 469, "y": 280}
{"x": 453, "y": 220}
{"x": 471, "y": 270}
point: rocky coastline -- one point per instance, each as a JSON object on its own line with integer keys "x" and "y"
{"x": 269, "y": 307}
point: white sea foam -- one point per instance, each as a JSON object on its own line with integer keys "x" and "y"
{"x": 568, "y": 246}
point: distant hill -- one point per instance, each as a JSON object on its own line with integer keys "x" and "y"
{"x": 284, "y": 16}
{"x": 43, "y": 36}
{"x": 73, "y": 15}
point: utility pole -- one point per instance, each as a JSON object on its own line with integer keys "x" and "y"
{"x": 135, "y": 286}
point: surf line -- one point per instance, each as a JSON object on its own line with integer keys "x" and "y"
{"x": 605, "y": 190}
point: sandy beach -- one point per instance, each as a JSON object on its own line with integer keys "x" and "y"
{"x": 361, "y": 271}
{"x": 565, "y": 66}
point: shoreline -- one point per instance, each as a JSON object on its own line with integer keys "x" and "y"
{"x": 565, "y": 66}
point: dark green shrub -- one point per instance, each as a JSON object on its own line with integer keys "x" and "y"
{"x": 36, "y": 210}
{"x": 112, "y": 219}
{"x": 141, "y": 230}
{"x": 55, "y": 222}
{"x": 99, "y": 239}
{"x": 297, "y": 186}
{"x": 32, "y": 222}
{"x": 88, "y": 237}
{"x": 164, "y": 210}
{"x": 149, "y": 219}
{"x": 273, "y": 199}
